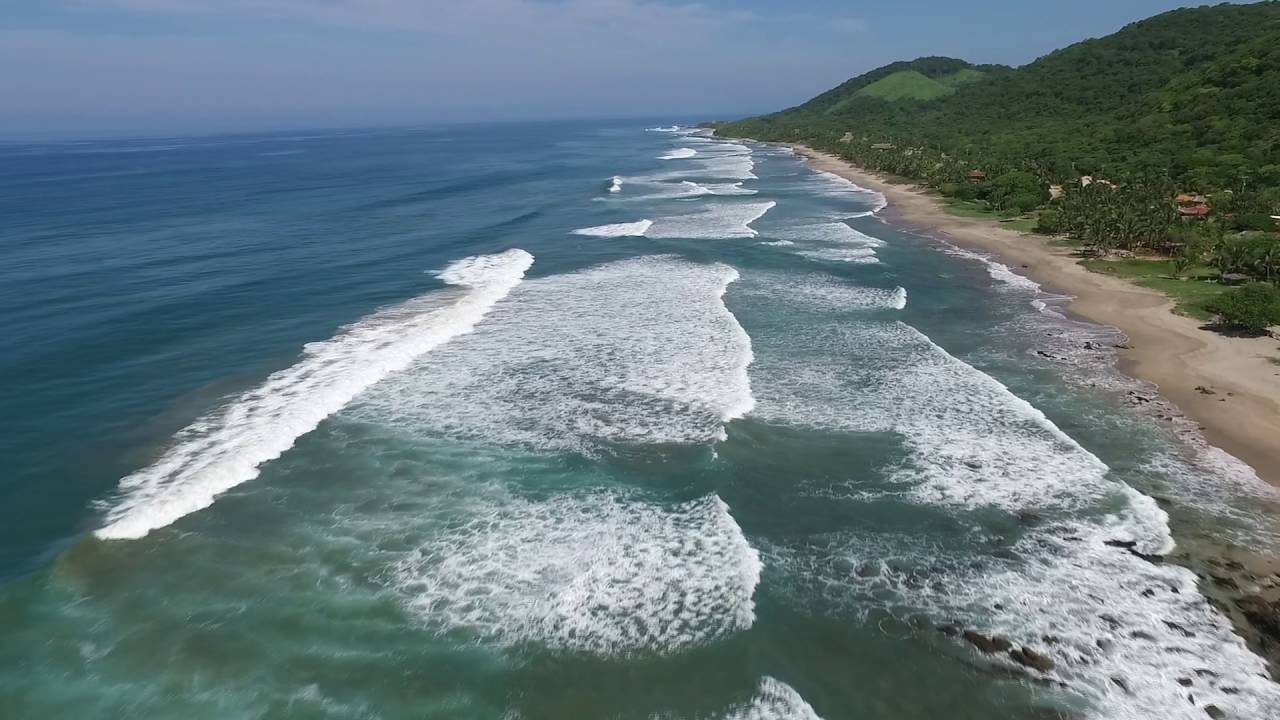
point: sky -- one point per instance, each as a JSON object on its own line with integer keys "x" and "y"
{"x": 122, "y": 66}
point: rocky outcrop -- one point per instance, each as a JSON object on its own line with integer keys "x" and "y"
{"x": 989, "y": 644}
{"x": 1032, "y": 659}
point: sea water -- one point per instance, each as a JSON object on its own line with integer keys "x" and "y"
{"x": 572, "y": 420}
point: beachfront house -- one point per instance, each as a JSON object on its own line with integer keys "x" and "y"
{"x": 1192, "y": 206}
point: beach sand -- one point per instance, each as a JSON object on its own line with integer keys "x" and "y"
{"x": 1242, "y": 416}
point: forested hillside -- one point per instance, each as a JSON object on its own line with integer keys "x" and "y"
{"x": 1192, "y": 94}
{"x": 1161, "y": 139}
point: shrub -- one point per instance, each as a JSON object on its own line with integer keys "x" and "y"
{"x": 1049, "y": 222}
{"x": 1253, "y": 307}
{"x": 1254, "y": 221}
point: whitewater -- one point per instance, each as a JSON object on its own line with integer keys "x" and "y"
{"x": 735, "y": 447}
{"x": 223, "y": 450}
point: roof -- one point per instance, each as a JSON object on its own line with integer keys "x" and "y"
{"x": 977, "y": 174}
{"x": 1195, "y": 210}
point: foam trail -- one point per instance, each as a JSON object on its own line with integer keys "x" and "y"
{"x": 641, "y": 351}
{"x": 225, "y": 449}
{"x": 832, "y": 232}
{"x": 679, "y": 154}
{"x": 632, "y": 229}
{"x": 685, "y": 189}
{"x": 722, "y": 221}
{"x": 603, "y": 573}
{"x": 997, "y": 270}
{"x": 856, "y": 255}
{"x": 833, "y": 185}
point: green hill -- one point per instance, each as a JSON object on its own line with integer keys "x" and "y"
{"x": 1191, "y": 95}
{"x": 904, "y": 85}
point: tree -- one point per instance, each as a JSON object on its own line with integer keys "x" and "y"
{"x": 1253, "y": 308}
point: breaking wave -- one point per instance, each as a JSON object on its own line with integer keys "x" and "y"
{"x": 226, "y": 448}
{"x": 725, "y": 220}
{"x": 632, "y": 229}
{"x": 636, "y": 351}
{"x": 678, "y": 154}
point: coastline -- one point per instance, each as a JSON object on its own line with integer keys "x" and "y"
{"x": 1170, "y": 351}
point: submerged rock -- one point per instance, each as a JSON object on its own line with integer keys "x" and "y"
{"x": 987, "y": 644}
{"x": 1262, "y": 614}
{"x": 1032, "y": 659}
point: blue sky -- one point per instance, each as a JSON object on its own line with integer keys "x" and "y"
{"x": 85, "y": 66}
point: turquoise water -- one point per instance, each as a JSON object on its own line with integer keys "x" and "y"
{"x": 585, "y": 420}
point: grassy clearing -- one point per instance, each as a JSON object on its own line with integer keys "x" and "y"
{"x": 906, "y": 85}
{"x": 964, "y": 208}
{"x": 1189, "y": 293}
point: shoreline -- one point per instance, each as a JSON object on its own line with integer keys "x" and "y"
{"x": 1170, "y": 351}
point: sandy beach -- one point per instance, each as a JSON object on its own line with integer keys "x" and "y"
{"x": 1241, "y": 416}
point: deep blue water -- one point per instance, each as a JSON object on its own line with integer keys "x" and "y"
{"x": 566, "y": 420}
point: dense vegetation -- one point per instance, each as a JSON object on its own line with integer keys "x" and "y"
{"x": 1187, "y": 102}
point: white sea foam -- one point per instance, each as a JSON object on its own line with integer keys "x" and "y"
{"x": 832, "y": 232}
{"x": 972, "y": 442}
{"x": 817, "y": 291}
{"x": 602, "y": 573}
{"x": 727, "y": 189}
{"x": 667, "y": 129}
{"x": 833, "y": 185}
{"x": 676, "y": 190}
{"x": 777, "y": 243}
{"x": 733, "y": 167}
{"x": 637, "y": 351}
{"x": 631, "y": 229}
{"x": 721, "y": 220}
{"x": 997, "y": 270}
{"x": 678, "y": 154}
{"x": 774, "y": 700}
{"x": 615, "y": 185}
{"x": 226, "y": 448}
{"x": 1134, "y": 638}
{"x": 856, "y": 255}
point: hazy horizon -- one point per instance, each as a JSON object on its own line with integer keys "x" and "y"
{"x": 150, "y": 67}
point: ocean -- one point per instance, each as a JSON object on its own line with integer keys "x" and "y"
{"x": 573, "y": 420}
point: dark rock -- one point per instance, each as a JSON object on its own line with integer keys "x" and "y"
{"x": 989, "y": 645}
{"x": 1264, "y": 616}
{"x": 1120, "y": 683}
{"x": 1204, "y": 390}
{"x": 1214, "y": 712}
{"x": 1185, "y": 682}
{"x": 1175, "y": 626}
{"x": 1032, "y": 659}
{"x": 1223, "y": 581}
{"x": 950, "y": 629}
